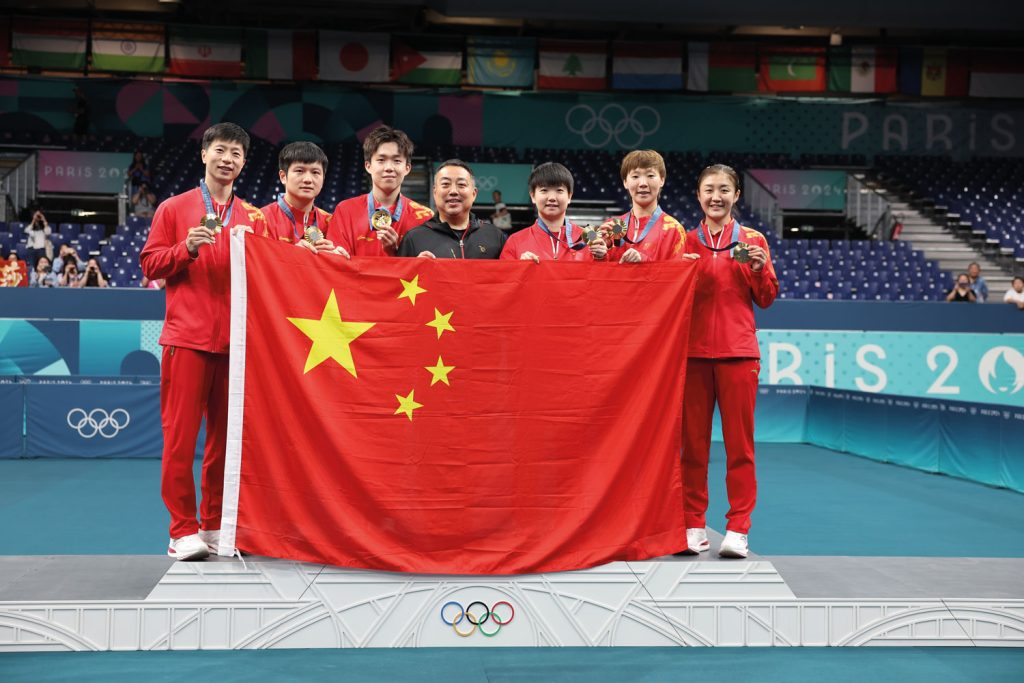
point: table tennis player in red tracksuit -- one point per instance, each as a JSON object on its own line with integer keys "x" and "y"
{"x": 724, "y": 360}
{"x": 194, "y": 261}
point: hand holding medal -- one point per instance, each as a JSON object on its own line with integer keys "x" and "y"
{"x": 204, "y": 233}
{"x": 381, "y": 222}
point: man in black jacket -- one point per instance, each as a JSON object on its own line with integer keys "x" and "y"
{"x": 455, "y": 233}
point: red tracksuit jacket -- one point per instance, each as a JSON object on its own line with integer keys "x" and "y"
{"x": 284, "y": 229}
{"x": 198, "y": 289}
{"x": 539, "y": 242}
{"x": 350, "y": 225}
{"x": 663, "y": 242}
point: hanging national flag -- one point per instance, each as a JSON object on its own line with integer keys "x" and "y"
{"x": 205, "y": 52}
{"x": 355, "y": 57}
{"x": 426, "y": 61}
{"x": 997, "y": 73}
{"x": 573, "y": 65}
{"x": 49, "y": 44}
{"x": 647, "y": 66}
{"x": 280, "y": 54}
{"x": 503, "y": 62}
{"x": 792, "y": 69}
{"x": 721, "y": 67}
{"x": 382, "y": 419}
{"x": 120, "y": 46}
{"x": 933, "y": 72}
{"x": 862, "y": 68}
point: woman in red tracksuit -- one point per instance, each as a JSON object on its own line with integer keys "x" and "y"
{"x": 724, "y": 360}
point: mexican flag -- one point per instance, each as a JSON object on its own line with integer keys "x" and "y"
{"x": 792, "y": 70}
{"x": 205, "y": 52}
{"x": 381, "y": 419}
{"x": 721, "y": 67}
{"x": 120, "y": 46}
{"x": 863, "y": 69}
{"x": 49, "y": 44}
{"x": 423, "y": 61}
{"x": 573, "y": 65}
{"x": 280, "y": 54}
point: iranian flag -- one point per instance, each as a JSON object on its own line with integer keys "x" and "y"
{"x": 792, "y": 70}
{"x": 355, "y": 57}
{"x": 205, "y": 52}
{"x": 863, "y": 68}
{"x": 721, "y": 67}
{"x": 426, "y": 61}
{"x": 119, "y": 46}
{"x": 50, "y": 44}
{"x": 280, "y": 54}
{"x": 997, "y": 73}
{"x": 573, "y": 65}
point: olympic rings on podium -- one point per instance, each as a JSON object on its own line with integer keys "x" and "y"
{"x": 476, "y": 619}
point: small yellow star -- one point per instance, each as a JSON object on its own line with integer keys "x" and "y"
{"x": 439, "y": 373}
{"x": 331, "y": 336}
{"x": 407, "y": 404}
{"x": 441, "y": 322}
{"x": 410, "y": 289}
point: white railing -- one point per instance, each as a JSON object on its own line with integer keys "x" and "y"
{"x": 868, "y": 209}
{"x": 762, "y": 202}
{"x": 20, "y": 184}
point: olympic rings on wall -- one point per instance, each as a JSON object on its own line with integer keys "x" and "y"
{"x": 476, "y": 614}
{"x": 98, "y": 421}
{"x": 611, "y": 123}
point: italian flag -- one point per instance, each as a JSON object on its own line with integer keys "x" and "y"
{"x": 57, "y": 44}
{"x": 721, "y": 67}
{"x": 118, "y": 46}
{"x": 573, "y": 65}
{"x": 205, "y": 52}
{"x": 863, "y": 68}
{"x": 280, "y": 55}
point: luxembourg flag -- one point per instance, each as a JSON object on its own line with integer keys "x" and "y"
{"x": 647, "y": 66}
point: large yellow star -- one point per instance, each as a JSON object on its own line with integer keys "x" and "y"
{"x": 439, "y": 373}
{"x": 441, "y": 322}
{"x": 411, "y": 288}
{"x": 331, "y": 336}
{"x": 407, "y": 404}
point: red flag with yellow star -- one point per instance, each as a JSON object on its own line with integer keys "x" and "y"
{"x": 454, "y": 417}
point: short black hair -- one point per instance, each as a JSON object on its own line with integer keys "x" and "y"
{"x": 551, "y": 174}
{"x": 458, "y": 163}
{"x": 227, "y": 132}
{"x": 1017, "y": 278}
{"x": 381, "y": 135}
{"x": 302, "y": 152}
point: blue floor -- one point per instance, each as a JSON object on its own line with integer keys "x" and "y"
{"x": 811, "y": 501}
{"x": 588, "y": 665}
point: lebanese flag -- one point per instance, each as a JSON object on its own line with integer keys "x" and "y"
{"x": 280, "y": 54}
{"x": 792, "y": 69}
{"x": 382, "y": 419}
{"x": 997, "y": 73}
{"x": 205, "y": 52}
{"x": 356, "y": 57}
{"x": 573, "y": 65}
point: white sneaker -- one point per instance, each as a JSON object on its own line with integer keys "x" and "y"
{"x": 733, "y": 545}
{"x": 211, "y": 538}
{"x": 189, "y": 547}
{"x": 696, "y": 541}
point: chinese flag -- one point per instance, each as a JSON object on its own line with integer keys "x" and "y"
{"x": 454, "y": 417}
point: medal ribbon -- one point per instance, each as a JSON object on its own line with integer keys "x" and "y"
{"x": 283, "y": 205}
{"x": 371, "y": 207}
{"x": 208, "y": 203}
{"x": 650, "y": 224}
{"x": 568, "y": 236}
{"x": 706, "y": 241}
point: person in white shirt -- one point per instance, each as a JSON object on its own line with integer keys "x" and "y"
{"x": 1015, "y": 294}
{"x": 501, "y": 218}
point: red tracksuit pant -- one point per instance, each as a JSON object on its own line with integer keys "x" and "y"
{"x": 193, "y": 384}
{"x": 733, "y": 384}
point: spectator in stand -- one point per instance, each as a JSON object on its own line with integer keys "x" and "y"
{"x": 138, "y": 172}
{"x": 42, "y": 275}
{"x": 978, "y": 284}
{"x": 501, "y": 218}
{"x": 13, "y": 272}
{"x": 69, "y": 276}
{"x": 962, "y": 291}
{"x": 158, "y": 283}
{"x": 37, "y": 238}
{"x": 1015, "y": 294}
{"x": 93, "y": 275}
{"x": 67, "y": 253}
{"x": 144, "y": 202}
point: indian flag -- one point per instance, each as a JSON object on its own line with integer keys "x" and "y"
{"x": 119, "y": 46}
{"x": 56, "y": 44}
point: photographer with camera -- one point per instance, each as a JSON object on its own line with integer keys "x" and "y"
{"x": 66, "y": 254}
{"x": 962, "y": 291}
{"x": 69, "y": 276}
{"x": 37, "y": 238}
{"x": 144, "y": 202}
{"x": 93, "y": 276}
{"x": 42, "y": 275}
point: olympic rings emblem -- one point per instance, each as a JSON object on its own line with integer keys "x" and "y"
{"x": 98, "y": 421}
{"x": 612, "y": 122}
{"x": 487, "y": 182}
{"x": 476, "y": 620}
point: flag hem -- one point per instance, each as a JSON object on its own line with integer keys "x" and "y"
{"x": 236, "y": 397}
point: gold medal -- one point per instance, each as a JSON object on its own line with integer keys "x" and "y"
{"x": 589, "y": 234}
{"x": 211, "y": 221}
{"x": 741, "y": 252}
{"x": 381, "y": 219}
{"x": 312, "y": 234}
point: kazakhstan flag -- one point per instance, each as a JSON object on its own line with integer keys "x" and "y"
{"x": 503, "y": 62}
